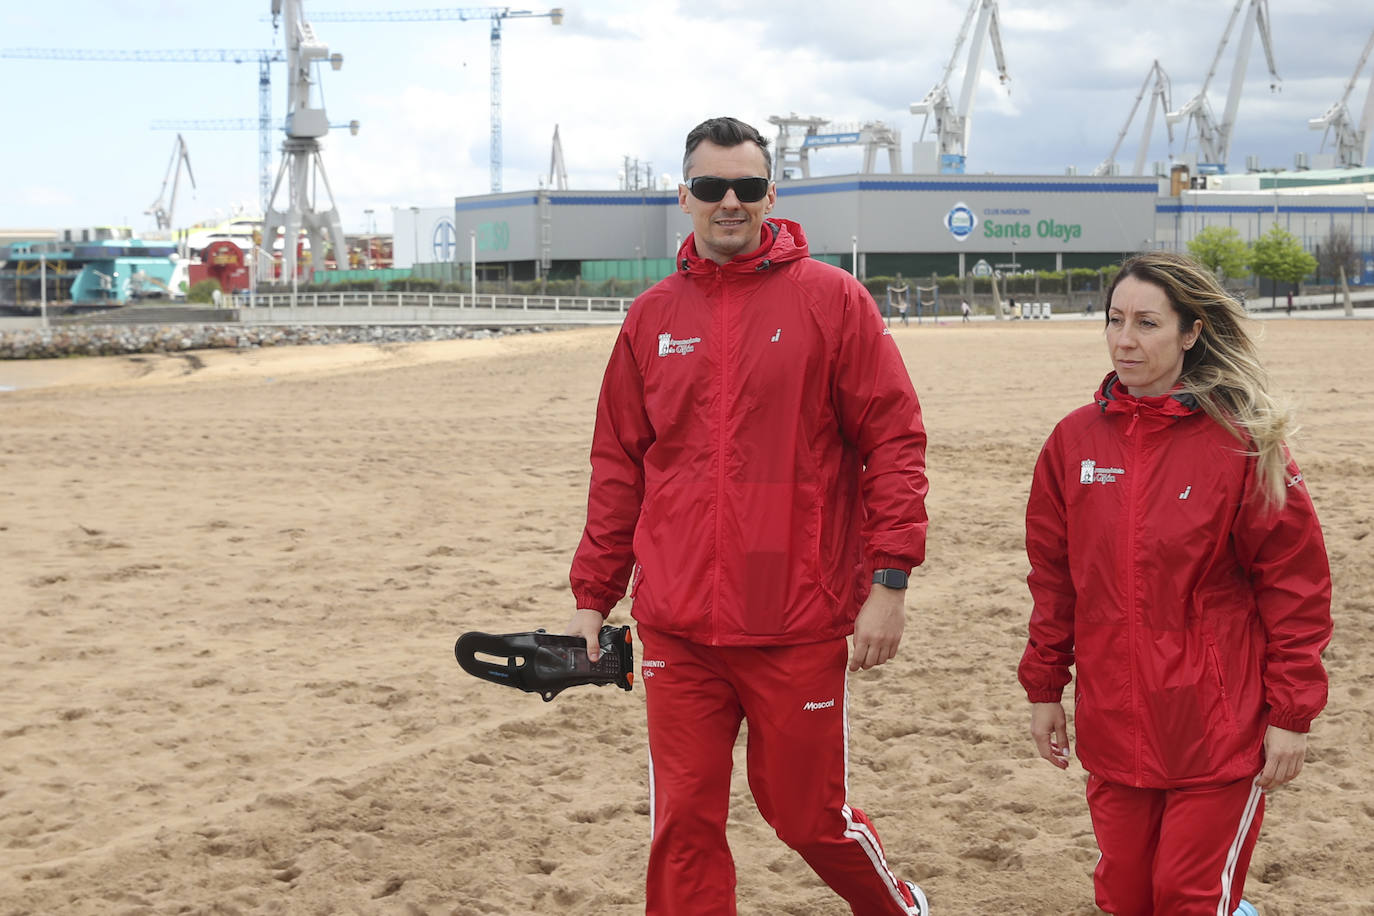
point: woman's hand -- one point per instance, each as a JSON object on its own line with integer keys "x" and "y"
{"x": 1050, "y": 730}
{"x": 1284, "y": 753}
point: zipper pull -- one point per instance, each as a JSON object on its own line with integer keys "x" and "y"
{"x": 1135, "y": 415}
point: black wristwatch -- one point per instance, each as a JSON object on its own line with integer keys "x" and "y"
{"x": 892, "y": 578}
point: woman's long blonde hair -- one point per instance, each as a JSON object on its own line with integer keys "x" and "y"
{"x": 1222, "y": 370}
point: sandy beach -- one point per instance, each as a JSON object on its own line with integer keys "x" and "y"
{"x": 232, "y": 582}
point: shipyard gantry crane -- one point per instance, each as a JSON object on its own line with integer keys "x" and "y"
{"x": 497, "y": 15}
{"x": 301, "y": 164}
{"x": 1350, "y": 141}
{"x": 1214, "y": 140}
{"x": 952, "y": 121}
{"x": 798, "y": 136}
{"x": 264, "y": 59}
{"x": 1157, "y": 85}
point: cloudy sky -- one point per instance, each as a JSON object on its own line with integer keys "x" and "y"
{"x": 620, "y": 78}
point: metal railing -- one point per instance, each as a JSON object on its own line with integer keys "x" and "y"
{"x": 482, "y": 301}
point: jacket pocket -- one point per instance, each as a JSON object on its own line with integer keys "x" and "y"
{"x": 1228, "y": 716}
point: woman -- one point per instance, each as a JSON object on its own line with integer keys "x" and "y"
{"x": 1177, "y": 563}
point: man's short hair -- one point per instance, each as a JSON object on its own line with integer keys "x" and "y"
{"x": 726, "y": 132}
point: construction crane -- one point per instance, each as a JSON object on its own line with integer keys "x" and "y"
{"x": 161, "y": 213}
{"x": 301, "y": 164}
{"x": 1213, "y": 139}
{"x": 1157, "y": 84}
{"x": 231, "y": 124}
{"x": 497, "y": 15}
{"x": 952, "y": 121}
{"x": 1351, "y": 142}
{"x": 264, "y": 58}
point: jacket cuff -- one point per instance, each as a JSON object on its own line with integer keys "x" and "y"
{"x": 1301, "y": 724}
{"x": 589, "y": 602}
{"x": 1051, "y": 695}
{"x": 888, "y": 561}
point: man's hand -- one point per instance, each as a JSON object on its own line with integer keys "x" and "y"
{"x": 1284, "y": 752}
{"x": 1050, "y": 730}
{"x": 878, "y": 628}
{"x": 587, "y": 624}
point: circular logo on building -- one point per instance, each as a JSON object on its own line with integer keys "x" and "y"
{"x": 445, "y": 240}
{"x": 960, "y": 221}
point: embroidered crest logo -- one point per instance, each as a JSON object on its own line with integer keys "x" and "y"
{"x": 1090, "y": 473}
{"x": 668, "y": 346}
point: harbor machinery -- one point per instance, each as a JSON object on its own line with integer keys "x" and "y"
{"x": 798, "y": 136}
{"x": 497, "y": 15}
{"x": 1214, "y": 139}
{"x": 1157, "y": 85}
{"x": 1349, "y": 140}
{"x": 162, "y": 212}
{"x": 301, "y": 165}
{"x": 264, "y": 57}
{"x": 952, "y": 120}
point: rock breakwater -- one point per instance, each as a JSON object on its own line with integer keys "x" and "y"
{"x": 118, "y": 340}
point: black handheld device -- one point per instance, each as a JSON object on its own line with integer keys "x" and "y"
{"x": 542, "y": 663}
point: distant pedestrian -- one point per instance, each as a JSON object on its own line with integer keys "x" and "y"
{"x": 963, "y": 307}
{"x": 897, "y": 295}
{"x": 1290, "y": 302}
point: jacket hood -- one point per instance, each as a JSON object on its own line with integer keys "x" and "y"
{"x": 1112, "y": 397}
{"x": 783, "y": 241}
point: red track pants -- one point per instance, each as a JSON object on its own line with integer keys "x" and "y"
{"x": 1173, "y": 852}
{"x": 796, "y": 702}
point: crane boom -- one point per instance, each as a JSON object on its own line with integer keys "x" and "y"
{"x": 264, "y": 57}
{"x": 161, "y": 213}
{"x": 497, "y": 14}
{"x": 1213, "y": 139}
{"x": 953, "y": 121}
{"x": 1351, "y": 141}
{"x": 187, "y": 55}
{"x": 1160, "y": 95}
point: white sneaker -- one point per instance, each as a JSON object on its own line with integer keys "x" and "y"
{"x": 922, "y": 907}
{"x": 1246, "y": 908}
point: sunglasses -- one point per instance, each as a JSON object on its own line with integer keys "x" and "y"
{"x": 710, "y": 189}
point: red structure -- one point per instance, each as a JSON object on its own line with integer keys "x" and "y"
{"x": 223, "y": 261}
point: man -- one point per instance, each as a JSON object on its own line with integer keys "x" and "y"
{"x": 758, "y": 463}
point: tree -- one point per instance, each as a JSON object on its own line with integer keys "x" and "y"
{"x": 1221, "y": 251}
{"x": 1279, "y": 256}
{"x": 1335, "y": 251}
{"x": 204, "y": 291}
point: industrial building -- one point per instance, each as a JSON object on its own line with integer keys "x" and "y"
{"x": 909, "y": 224}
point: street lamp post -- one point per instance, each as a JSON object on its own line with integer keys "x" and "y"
{"x": 854, "y": 254}
{"x": 414, "y": 237}
{"x": 43, "y": 287}
{"x": 472, "y": 257}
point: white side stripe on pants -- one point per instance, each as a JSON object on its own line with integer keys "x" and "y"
{"x": 859, "y": 832}
{"x": 1228, "y": 872}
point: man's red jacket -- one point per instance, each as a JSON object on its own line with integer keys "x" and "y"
{"x": 758, "y": 452}
{"x": 1194, "y": 616}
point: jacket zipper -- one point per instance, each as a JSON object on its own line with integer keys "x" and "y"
{"x": 1134, "y": 474}
{"x": 720, "y": 454}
